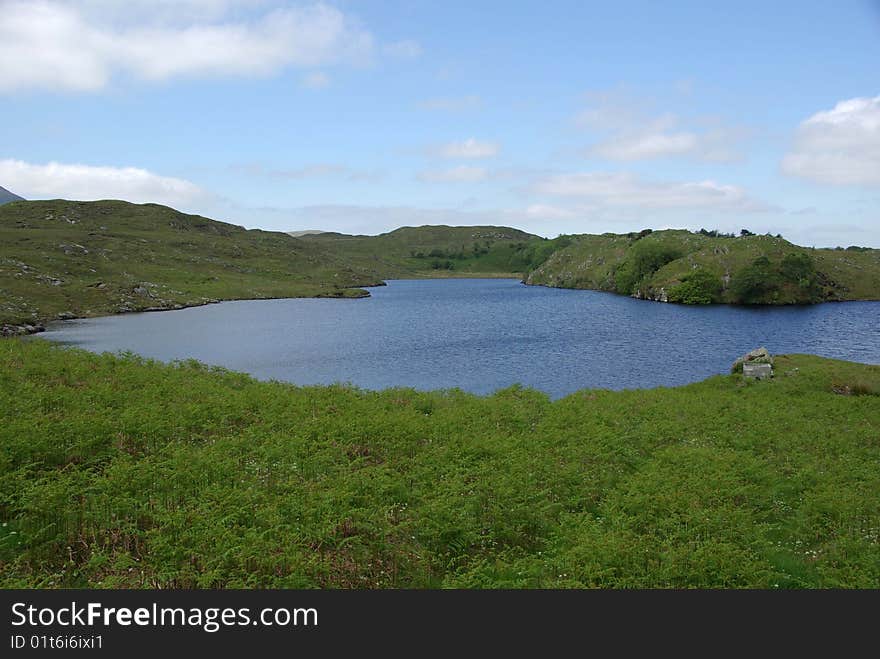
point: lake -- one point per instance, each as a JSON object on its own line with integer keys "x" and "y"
{"x": 480, "y": 335}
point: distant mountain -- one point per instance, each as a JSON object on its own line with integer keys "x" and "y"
{"x": 308, "y": 232}
{"x": 6, "y": 196}
{"x": 439, "y": 250}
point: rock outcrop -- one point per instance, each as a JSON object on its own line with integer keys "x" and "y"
{"x": 757, "y": 356}
{"x": 21, "y": 330}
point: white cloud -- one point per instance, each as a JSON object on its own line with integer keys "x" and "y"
{"x": 840, "y": 146}
{"x": 89, "y": 183}
{"x": 460, "y": 174}
{"x": 452, "y": 103}
{"x": 628, "y": 133}
{"x": 55, "y": 45}
{"x": 316, "y": 80}
{"x": 42, "y": 45}
{"x": 626, "y": 190}
{"x": 406, "y": 49}
{"x": 469, "y": 149}
{"x": 654, "y": 141}
{"x": 647, "y": 145}
{"x": 161, "y": 10}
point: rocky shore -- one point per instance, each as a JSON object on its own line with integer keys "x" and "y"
{"x": 21, "y": 330}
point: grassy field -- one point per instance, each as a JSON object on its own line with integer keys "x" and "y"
{"x": 120, "y": 472}
{"x": 693, "y": 268}
{"x": 96, "y": 258}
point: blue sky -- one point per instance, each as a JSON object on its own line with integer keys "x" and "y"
{"x": 361, "y": 116}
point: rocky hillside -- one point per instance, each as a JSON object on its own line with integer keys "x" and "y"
{"x": 63, "y": 259}
{"x": 704, "y": 268}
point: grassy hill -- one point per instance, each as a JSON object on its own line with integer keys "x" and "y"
{"x": 696, "y": 268}
{"x": 441, "y": 251}
{"x": 72, "y": 259}
{"x": 93, "y": 258}
{"x": 110, "y": 478}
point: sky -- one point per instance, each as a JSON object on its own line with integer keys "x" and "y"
{"x": 361, "y": 116}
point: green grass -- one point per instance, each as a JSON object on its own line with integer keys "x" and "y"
{"x": 121, "y": 472}
{"x": 622, "y": 264}
{"x": 96, "y": 258}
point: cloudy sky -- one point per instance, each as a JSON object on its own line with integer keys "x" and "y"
{"x": 364, "y": 115}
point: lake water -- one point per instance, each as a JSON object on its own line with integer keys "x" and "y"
{"x": 480, "y": 335}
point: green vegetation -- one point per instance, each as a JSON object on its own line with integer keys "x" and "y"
{"x": 64, "y": 259}
{"x": 710, "y": 267}
{"x": 442, "y": 251}
{"x": 698, "y": 287}
{"x": 94, "y": 258}
{"x": 763, "y": 282}
{"x": 120, "y": 472}
{"x": 644, "y": 259}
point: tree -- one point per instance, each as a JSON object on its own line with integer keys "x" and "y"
{"x": 796, "y": 267}
{"x": 754, "y": 283}
{"x": 793, "y": 280}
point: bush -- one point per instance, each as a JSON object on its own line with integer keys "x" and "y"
{"x": 699, "y": 287}
{"x": 755, "y": 283}
{"x": 794, "y": 278}
{"x": 796, "y": 267}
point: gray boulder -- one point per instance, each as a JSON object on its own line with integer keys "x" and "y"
{"x": 756, "y": 370}
{"x": 757, "y": 356}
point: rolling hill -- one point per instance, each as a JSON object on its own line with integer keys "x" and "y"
{"x": 73, "y": 259}
{"x": 439, "y": 251}
{"x": 65, "y": 259}
{"x": 703, "y": 268}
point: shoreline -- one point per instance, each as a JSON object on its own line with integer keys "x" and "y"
{"x": 737, "y": 375}
{"x": 12, "y": 330}
{"x": 761, "y": 305}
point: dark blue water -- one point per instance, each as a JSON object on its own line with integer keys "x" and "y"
{"x": 481, "y": 335}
